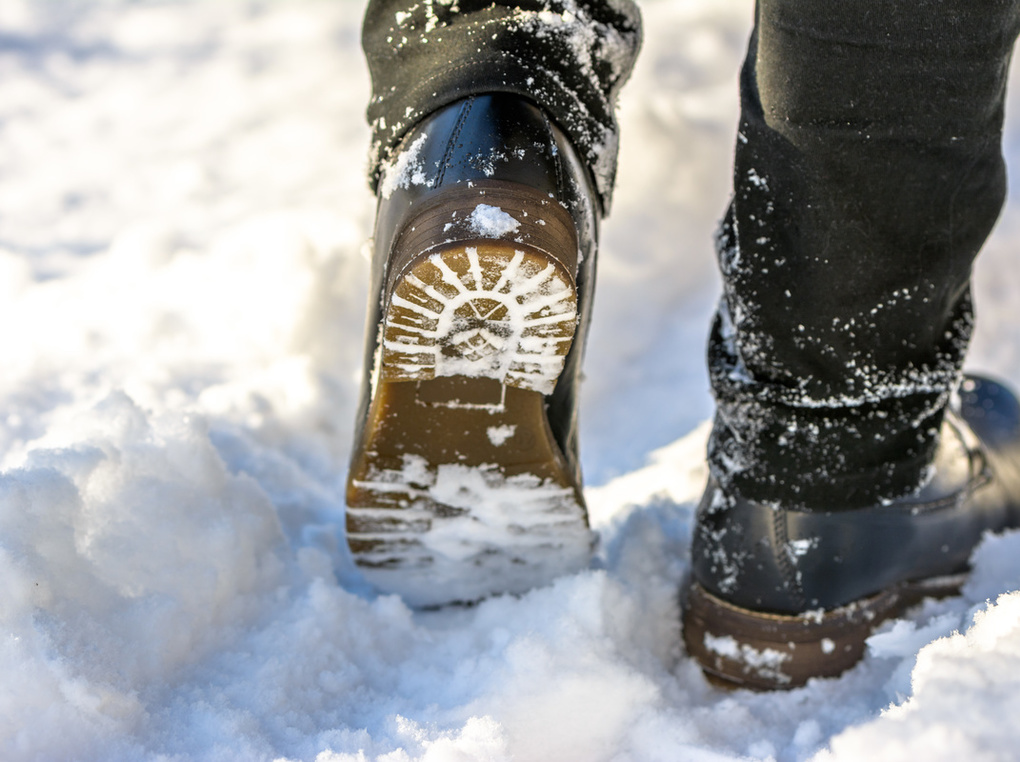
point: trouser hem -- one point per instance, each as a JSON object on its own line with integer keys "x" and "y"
{"x": 594, "y": 136}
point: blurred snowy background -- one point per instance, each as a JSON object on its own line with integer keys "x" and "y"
{"x": 183, "y": 225}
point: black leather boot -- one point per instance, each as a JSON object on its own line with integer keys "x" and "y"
{"x": 778, "y": 596}
{"x": 464, "y": 478}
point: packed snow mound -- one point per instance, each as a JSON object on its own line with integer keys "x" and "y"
{"x": 182, "y": 287}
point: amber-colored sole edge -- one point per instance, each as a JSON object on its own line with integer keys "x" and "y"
{"x": 742, "y": 648}
{"x": 427, "y": 422}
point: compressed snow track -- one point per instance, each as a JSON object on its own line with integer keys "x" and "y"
{"x": 183, "y": 219}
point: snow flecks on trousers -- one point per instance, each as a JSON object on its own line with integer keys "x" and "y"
{"x": 953, "y": 686}
{"x": 746, "y": 346}
{"x": 592, "y": 47}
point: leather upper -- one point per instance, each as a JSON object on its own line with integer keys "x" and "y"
{"x": 770, "y": 558}
{"x": 502, "y": 138}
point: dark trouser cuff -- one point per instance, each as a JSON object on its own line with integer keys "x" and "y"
{"x": 774, "y": 445}
{"x": 571, "y": 58}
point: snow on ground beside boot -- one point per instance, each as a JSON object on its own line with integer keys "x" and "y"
{"x": 183, "y": 218}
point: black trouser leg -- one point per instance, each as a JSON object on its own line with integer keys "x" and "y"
{"x": 868, "y": 173}
{"x": 569, "y": 56}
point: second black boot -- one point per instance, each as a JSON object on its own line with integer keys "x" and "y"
{"x": 779, "y": 595}
{"x": 464, "y": 478}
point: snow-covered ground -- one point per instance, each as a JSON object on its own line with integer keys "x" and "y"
{"x": 183, "y": 219}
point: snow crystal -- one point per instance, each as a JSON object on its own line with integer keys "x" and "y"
{"x": 724, "y": 646}
{"x": 492, "y": 222}
{"x": 404, "y": 170}
{"x": 500, "y": 434}
{"x": 757, "y": 180}
{"x": 795, "y": 549}
{"x": 766, "y": 662}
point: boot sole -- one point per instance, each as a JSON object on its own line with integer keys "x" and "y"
{"x": 741, "y": 648}
{"x": 459, "y": 490}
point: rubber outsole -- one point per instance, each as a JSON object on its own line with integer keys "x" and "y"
{"x": 741, "y": 648}
{"x": 459, "y": 489}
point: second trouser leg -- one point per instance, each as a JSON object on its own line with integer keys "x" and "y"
{"x": 868, "y": 173}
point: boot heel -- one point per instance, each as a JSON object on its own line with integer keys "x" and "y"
{"x": 483, "y": 287}
{"x": 459, "y": 489}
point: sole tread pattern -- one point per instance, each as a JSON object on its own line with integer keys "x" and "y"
{"x": 481, "y": 312}
{"x": 459, "y": 490}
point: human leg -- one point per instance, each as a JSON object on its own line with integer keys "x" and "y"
{"x": 868, "y": 172}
